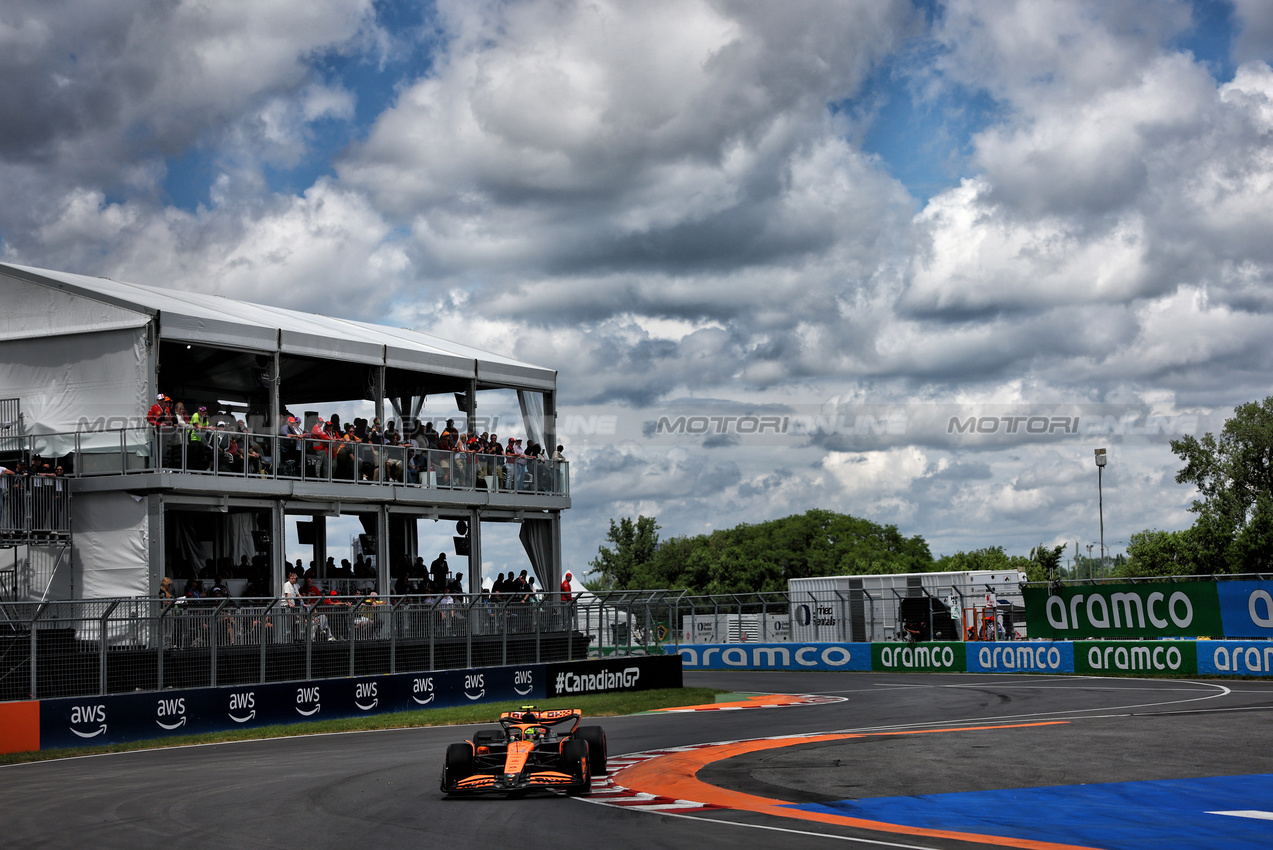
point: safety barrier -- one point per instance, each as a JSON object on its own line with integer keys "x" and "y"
{"x": 1095, "y": 657}
{"x": 81, "y": 721}
{"x": 1233, "y": 606}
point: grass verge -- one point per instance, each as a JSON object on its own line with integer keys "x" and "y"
{"x": 594, "y": 705}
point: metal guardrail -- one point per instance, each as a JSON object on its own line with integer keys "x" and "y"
{"x": 104, "y": 646}
{"x": 33, "y": 506}
{"x": 235, "y": 454}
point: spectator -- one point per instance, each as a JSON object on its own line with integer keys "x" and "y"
{"x": 519, "y": 463}
{"x": 428, "y": 438}
{"x": 319, "y": 445}
{"x": 439, "y": 569}
{"x": 200, "y": 454}
{"x": 290, "y": 592}
{"x": 225, "y": 621}
{"x": 160, "y": 418}
{"x": 160, "y": 413}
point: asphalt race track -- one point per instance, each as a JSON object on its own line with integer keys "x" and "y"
{"x": 903, "y": 760}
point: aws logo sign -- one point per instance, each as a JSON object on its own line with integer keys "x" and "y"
{"x": 88, "y": 721}
{"x": 308, "y": 701}
{"x": 171, "y": 713}
{"x": 475, "y": 686}
{"x": 523, "y": 682}
{"x": 243, "y": 706}
{"x": 365, "y": 696}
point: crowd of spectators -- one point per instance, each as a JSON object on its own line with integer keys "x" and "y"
{"x": 350, "y": 451}
{"x": 330, "y": 602}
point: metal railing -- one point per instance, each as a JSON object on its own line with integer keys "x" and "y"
{"x": 128, "y": 451}
{"x": 105, "y": 646}
{"x": 33, "y": 506}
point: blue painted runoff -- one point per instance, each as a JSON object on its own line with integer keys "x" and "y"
{"x": 1171, "y": 813}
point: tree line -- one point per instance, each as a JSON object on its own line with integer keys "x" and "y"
{"x": 765, "y": 556}
{"x": 1232, "y": 533}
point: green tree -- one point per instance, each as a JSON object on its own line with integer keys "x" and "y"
{"x": 761, "y": 557}
{"x": 989, "y": 558}
{"x": 1044, "y": 563}
{"x": 1234, "y": 476}
{"x": 634, "y": 547}
{"x": 1160, "y": 553}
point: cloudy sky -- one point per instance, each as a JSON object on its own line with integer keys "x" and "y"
{"x": 781, "y": 253}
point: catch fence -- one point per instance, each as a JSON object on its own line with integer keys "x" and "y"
{"x": 87, "y": 647}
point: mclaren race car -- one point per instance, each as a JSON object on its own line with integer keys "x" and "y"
{"x": 530, "y": 749}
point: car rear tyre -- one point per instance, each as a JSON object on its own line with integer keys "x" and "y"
{"x": 596, "y": 738}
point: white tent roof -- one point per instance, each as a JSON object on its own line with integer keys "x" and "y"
{"x": 195, "y": 317}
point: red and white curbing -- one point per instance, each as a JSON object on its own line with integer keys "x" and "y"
{"x": 606, "y": 791}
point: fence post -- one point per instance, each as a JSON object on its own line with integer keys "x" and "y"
{"x": 39, "y": 612}
{"x": 162, "y": 642}
{"x": 536, "y": 614}
{"x": 265, "y": 620}
{"x": 431, "y": 621}
{"x": 353, "y": 632}
{"x": 309, "y": 642}
{"x": 503, "y": 628}
{"x": 101, "y": 648}
{"x": 870, "y": 603}
{"x": 393, "y": 637}
{"x": 843, "y": 619}
{"x": 214, "y": 638}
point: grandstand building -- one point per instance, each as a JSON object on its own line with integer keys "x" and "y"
{"x": 82, "y": 361}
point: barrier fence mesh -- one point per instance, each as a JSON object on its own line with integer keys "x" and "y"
{"x": 56, "y": 649}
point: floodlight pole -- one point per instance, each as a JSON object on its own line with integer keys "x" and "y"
{"x": 1100, "y": 496}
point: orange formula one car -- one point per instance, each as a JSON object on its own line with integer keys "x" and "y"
{"x": 531, "y": 749}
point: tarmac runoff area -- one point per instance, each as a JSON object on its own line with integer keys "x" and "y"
{"x": 1169, "y": 768}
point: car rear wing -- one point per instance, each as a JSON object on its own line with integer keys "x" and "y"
{"x": 530, "y": 714}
